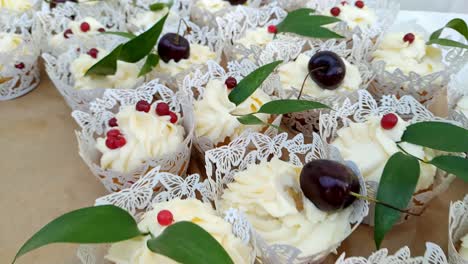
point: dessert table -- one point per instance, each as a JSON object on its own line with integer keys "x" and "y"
{"x": 44, "y": 177}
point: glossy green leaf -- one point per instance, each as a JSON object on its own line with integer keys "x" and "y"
{"x": 97, "y": 224}
{"x": 437, "y": 135}
{"x": 452, "y": 164}
{"x": 157, "y": 6}
{"x": 456, "y": 24}
{"x": 121, "y": 34}
{"x": 304, "y": 23}
{"x": 140, "y": 46}
{"x": 247, "y": 86}
{"x": 289, "y": 106}
{"x": 107, "y": 65}
{"x": 396, "y": 187}
{"x": 250, "y": 120}
{"x": 188, "y": 243}
{"x": 152, "y": 61}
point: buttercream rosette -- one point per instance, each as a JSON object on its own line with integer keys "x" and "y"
{"x": 164, "y": 191}
{"x": 19, "y": 53}
{"x": 121, "y": 138}
{"x": 259, "y": 175}
{"x": 355, "y": 129}
{"x": 458, "y": 232}
{"x": 416, "y": 69}
{"x": 216, "y": 121}
{"x": 63, "y": 27}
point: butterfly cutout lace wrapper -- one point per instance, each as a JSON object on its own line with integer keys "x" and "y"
{"x": 366, "y": 106}
{"x": 156, "y": 187}
{"x": 194, "y": 84}
{"x": 251, "y": 148}
{"x": 94, "y": 122}
{"x": 433, "y": 254}
{"x": 458, "y": 228}
{"x": 19, "y": 71}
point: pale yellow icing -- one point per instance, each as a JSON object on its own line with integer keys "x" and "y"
{"x": 356, "y": 17}
{"x": 256, "y": 37}
{"x": 199, "y": 54}
{"x": 59, "y": 39}
{"x": 17, "y": 5}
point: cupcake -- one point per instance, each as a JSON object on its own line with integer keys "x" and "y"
{"x": 82, "y": 30}
{"x": 136, "y": 250}
{"x": 261, "y": 177}
{"x": 127, "y": 132}
{"x": 205, "y": 12}
{"x": 367, "y": 133}
{"x": 354, "y": 15}
{"x": 458, "y": 232}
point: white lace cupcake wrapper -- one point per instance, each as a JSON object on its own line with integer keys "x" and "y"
{"x": 155, "y": 187}
{"x": 458, "y": 228}
{"x": 406, "y": 107}
{"x": 94, "y": 122}
{"x": 250, "y": 148}
{"x": 456, "y": 90}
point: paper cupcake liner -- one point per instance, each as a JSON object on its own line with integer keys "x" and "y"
{"x": 422, "y": 87}
{"x": 251, "y": 148}
{"x": 457, "y": 90}
{"x": 56, "y": 21}
{"x": 19, "y": 71}
{"x": 157, "y": 186}
{"x": 433, "y": 254}
{"x": 193, "y": 86}
{"x": 58, "y": 69}
{"x": 407, "y": 108}
{"x": 458, "y": 228}
{"x": 94, "y": 121}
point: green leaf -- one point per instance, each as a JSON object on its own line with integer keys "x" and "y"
{"x": 188, "y": 243}
{"x": 140, "y": 46}
{"x": 456, "y": 24}
{"x": 152, "y": 61}
{"x": 157, "y": 6}
{"x": 452, "y": 164}
{"x": 122, "y": 34}
{"x": 97, "y": 224}
{"x": 251, "y": 82}
{"x": 301, "y": 22}
{"x": 250, "y": 119}
{"x": 437, "y": 135}
{"x": 287, "y": 106}
{"x": 107, "y": 65}
{"x": 396, "y": 187}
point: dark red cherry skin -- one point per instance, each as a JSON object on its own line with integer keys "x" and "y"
{"x": 175, "y": 48}
{"x": 327, "y": 184}
{"x": 237, "y": 2}
{"x": 327, "y": 69}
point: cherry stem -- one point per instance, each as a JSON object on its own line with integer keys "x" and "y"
{"x": 370, "y": 199}
{"x": 305, "y": 79}
{"x": 178, "y": 30}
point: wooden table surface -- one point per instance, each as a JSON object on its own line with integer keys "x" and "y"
{"x": 44, "y": 177}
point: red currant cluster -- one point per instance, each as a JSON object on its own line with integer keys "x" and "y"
{"x": 162, "y": 109}
{"x": 84, "y": 27}
{"x": 115, "y": 139}
{"x": 335, "y": 11}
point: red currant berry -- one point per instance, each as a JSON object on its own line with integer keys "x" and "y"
{"x": 20, "y": 66}
{"x": 113, "y": 133}
{"x": 359, "y": 4}
{"x": 335, "y": 11}
{"x": 67, "y": 33}
{"x": 101, "y": 30}
{"x": 110, "y": 143}
{"x": 93, "y": 53}
{"x": 162, "y": 109}
{"x": 174, "y": 117}
{"x": 85, "y": 27}
{"x": 389, "y": 121}
{"x": 143, "y": 106}
{"x": 409, "y": 38}
{"x": 231, "y": 82}
{"x": 165, "y": 217}
{"x": 272, "y": 29}
{"x": 344, "y": 3}
{"x": 120, "y": 141}
{"x": 113, "y": 122}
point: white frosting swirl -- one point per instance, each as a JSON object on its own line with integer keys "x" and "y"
{"x": 415, "y": 57}
{"x": 199, "y": 54}
{"x": 148, "y": 135}
{"x": 147, "y": 19}
{"x": 135, "y": 251}
{"x": 256, "y": 37}
{"x": 270, "y": 195}
{"x": 59, "y": 39}
{"x": 292, "y": 75}
{"x": 464, "y": 247}
{"x": 9, "y": 41}
{"x": 370, "y": 146}
{"x": 213, "y": 113}
{"x": 125, "y": 77}
{"x": 356, "y": 17}
{"x": 462, "y": 105}
{"x": 212, "y": 6}
{"x": 17, "y": 5}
